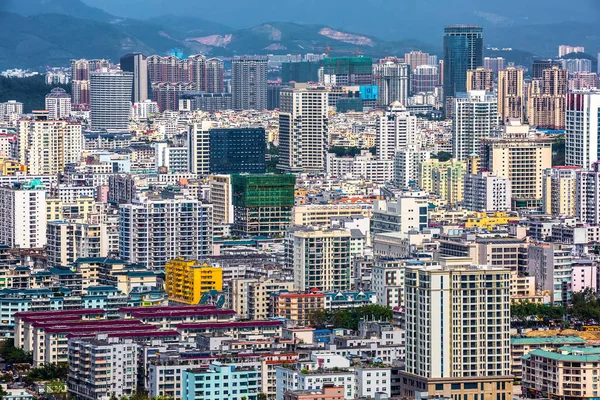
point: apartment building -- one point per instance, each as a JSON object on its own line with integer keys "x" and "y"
{"x": 186, "y": 281}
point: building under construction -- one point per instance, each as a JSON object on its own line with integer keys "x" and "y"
{"x": 348, "y": 70}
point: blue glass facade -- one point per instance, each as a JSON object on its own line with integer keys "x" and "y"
{"x": 237, "y": 151}
{"x": 463, "y": 50}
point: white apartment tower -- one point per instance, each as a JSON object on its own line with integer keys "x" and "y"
{"x": 475, "y": 117}
{"x": 155, "y": 230}
{"x": 249, "y": 83}
{"x": 23, "y": 215}
{"x": 110, "y": 99}
{"x": 47, "y": 146}
{"x": 395, "y": 129}
{"x": 581, "y": 128}
{"x": 457, "y": 330}
{"x": 199, "y": 147}
{"x": 406, "y": 165}
{"x": 587, "y": 195}
{"x": 320, "y": 259}
{"x": 392, "y": 78}
{"x": 58, "y": 104}
{"x": 487, "y": 192}
{"x": 303, "y": 131}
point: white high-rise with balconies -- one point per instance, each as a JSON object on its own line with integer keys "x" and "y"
{"x": 395, "y": 129}
{"x": 475, "y": 117}
{"x": 392, "y": 78}
{"x": 58, "y": 104}
{"x": 581, "y": 128}
{"x": 457, "y": 330}
{"x": 110, "y": 99}
{"x": 23, "y": 215}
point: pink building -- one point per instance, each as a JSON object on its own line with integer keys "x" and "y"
{"x": 584, "y": 275}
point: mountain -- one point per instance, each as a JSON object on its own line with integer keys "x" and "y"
{"x": 184, "y": 27}
{"x": 73, "y": 8}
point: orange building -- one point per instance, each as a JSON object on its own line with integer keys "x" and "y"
{"x": 329, "y": 392}
{"x": 296, "y": 306}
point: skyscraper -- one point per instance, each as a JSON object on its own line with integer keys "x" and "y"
{"x": 110, "y": 99}
{"x": 394, "y": 130}
{"x": 480, "y": 79}
{"x": 214, "y": 71}
{"x": 581, "y": 128}
{"x": 392, "y": 78}
{"x": 303, "y": 122}
{"x": 463, "y": 50}
{"x": 546, "y": 102}
{"x": 457, "y": 331}
{"x": 58, "y": 104}
{"x": 136, "y": 64}
{"x": 475, "y": 115}
{"x": 511, "y": 98}
{"x": 249, "y": 83}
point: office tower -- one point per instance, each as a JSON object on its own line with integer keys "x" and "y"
{"x": 457, "y": 331}
{"x": 249, "y": 83}
{"x": 299, "y": 72}
{"x": 475, "y": 116}
{"x": 214, "y": 72}
{"x": 58, "y": 104}
{"x": 110, "y": 100}
{"x": 582, "y": 127}
{"x": 546, "y": 104}
{"x": 392, "y": 78}
{"x": 156, "y": 229}
{"x": 136, "y": 64}
{"x": 303, "y": 122}
{"x": 397, "y": 128}
{"x": 342, "y": 71}
{"x": 226, "y": 150}
{"x": 558, "y": 191}
{"x": 23, "y": 215}
{"x": 424, "y": 79}
{"x": 511, "y": 100}
{"x": 320, "y": 259}
{"x": 480, "y": 79}
{"x": 417, "y": 58}
{"x": 577, "y": 65}
{"x": 539, "y": 66}
{"x": 494, "y": 63}
{"x": 80, "y": 81}
{"x": 463, "y": 51}
{"x": 237, "y": 150}
{"x": 587, "y": 195}
{"x": 564, "y": 49}
{"x": 485, "y": 191}
{"x": 167, "y": 95}
{"x": 273, "y": 95}
{"x": 46, "y": 147}
{"x": 521, "y": 157}
{"x": 262, "y": 204}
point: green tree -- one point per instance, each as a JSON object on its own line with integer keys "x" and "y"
{"x": 57, "y": 389}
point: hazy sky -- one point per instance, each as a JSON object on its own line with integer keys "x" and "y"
{"x": 386, "y": 17}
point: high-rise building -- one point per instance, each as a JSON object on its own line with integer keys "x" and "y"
{"x": 558, "y": 191}
{"x": 582, "y": 127}
{"x": 424, "y": 79}
{"x": 392, "y": 78}
{"x": 299, "y": 72}
{"x": 303, "y": 129}
{"x": 397, "y": 128}
{"x": 58, "y": 104}
{"x": 137, "y": 65}
{"x": 463, "y": 50}
{"x": 213, "y": 150}
{"x": 417, "y": 58}
{"x": 452, "y": 349}
{"x": 494, "y": 63}
{"x": 167, "y": 95}
{"x": 206, "y": 75}
{"x": 80, "y": 80}
{"x": 480, "y": 79}
{"x": 69, "y": 240}
{"x": 521, "y": 157}
{"x": 220, "y": 196}
{"x": 110, "y": 100}
{"x": 262, "y": 204}
{"x": 546, "y": 104}
{"x": 341, "y": 71}
{"x": 485, "y": 191}
{"x": 511, "y": 100}
{"x": 565, "y": 49}
{"x": 587, "y": 195}
{"x": 9, "y": 108}
{"x": 575, "y": 65}
{"x": 214, "y": 73}
{"x": 273, "y": 95}
{"x": 406, "y": 165}
{"x": 475, "y": 117}
{"x": 156, "y": 229}
{"x": 583, "y": 81}
{"x": 249, "y": 83}
{"x": 319, "y": 258}
{"x": 444, "y": 179}
{"x": 46, "y": 147}
{"x": 539, "y": 66}
{"x": 23, "y": 215}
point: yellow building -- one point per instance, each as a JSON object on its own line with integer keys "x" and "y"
{"x": 185, "y": 281}
{"x": 444, "y": 179}
{"x": 10, "y": 167}
{"x": 489, "y": 221}
{"x": 57, "y": 210}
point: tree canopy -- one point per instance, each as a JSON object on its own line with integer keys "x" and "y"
{"x": 348, "y": 318}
